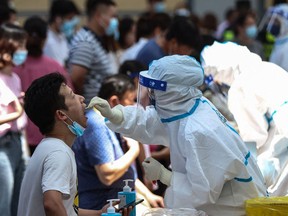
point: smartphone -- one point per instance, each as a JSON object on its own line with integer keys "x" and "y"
{"x": 133, "y": 204}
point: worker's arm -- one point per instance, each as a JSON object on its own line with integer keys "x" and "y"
{"x": 142, "y": 125}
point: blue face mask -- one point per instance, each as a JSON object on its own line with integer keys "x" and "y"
{"x": 75, "y": 128}
{"x": 19, "y": 57}
{"x": 159, "y": 7}
{"x": 112, "y": 29}
{"x": 275, "y": 30}
{"x": 68, "y": 27}
{"x": 251, "y": 31}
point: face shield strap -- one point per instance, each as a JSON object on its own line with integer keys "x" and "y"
{"x": 152, "y": 83}
{"x": 146, "y": 87}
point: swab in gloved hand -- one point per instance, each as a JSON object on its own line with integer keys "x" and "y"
{"x": 114, "y": 115}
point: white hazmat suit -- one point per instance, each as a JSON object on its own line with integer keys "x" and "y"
{"x": 258, "y": 100}
{"x": 212, "y": 170}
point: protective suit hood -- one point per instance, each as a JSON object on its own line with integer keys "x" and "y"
{"x": 183, "y": 74}
{"x": 225, "y": 61}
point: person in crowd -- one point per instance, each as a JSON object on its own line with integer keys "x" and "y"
{"x": 127, "y": 35}
{"x": 4, "y": 14}
{"x": 155, "y": 6}
{"x": 36, "y": 65}
{"x": 12, "y": 118}
{"x": 89, "y": 62}
{"x": 144, "y": 32}
{"x": 50, "y": 181}
{"x": 154, "y": 48}
{"x": 104, "y": 159}
{"x": 183, "y": 38}
{"x": 260, "y": 110}
{"x": 243, "y": 6}
{"x": 182, "y": 8}
{"x": 246, "y": 33}
{"x": 63, "y": 20}
{"x": 7, "y": 15}
{"x": 230, "y": 16}
{"x": 277, "y": 24}
{"x": 212, "y": 170}
{"x": 132, "y": 68}
{"x": 208, "y": 27}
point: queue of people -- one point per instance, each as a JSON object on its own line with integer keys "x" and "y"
{"x": 195, "y": 115}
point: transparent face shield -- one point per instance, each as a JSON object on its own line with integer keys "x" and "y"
{"x": 146, "y": 89}
{"x": 271, "y": 23}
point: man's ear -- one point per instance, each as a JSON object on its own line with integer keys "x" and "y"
{"x": 60, "y": 115}
{"x": 113, "y": 101}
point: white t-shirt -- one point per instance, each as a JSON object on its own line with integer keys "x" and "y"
{"x": 132, "y": 52}
{"x": 52, "y": 167}
{"x": 56, "y": 47}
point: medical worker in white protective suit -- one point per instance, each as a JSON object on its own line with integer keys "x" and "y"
{"x": 212, "y": 170}
{"x": 258, "y": 100}
{"x": 276, "y": 22}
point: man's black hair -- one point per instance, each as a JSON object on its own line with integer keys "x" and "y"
{"x": 42, "y": 100}
{"x": 61, "y": 8}
{"x": 93, "y": 5}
